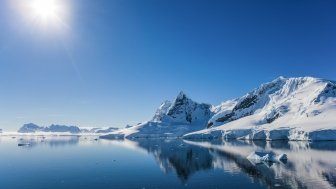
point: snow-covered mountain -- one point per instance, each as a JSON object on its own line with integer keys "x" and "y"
{"x": 287, "y": 108}
{"x": 171, "y": 119}
{"x": 62, "y": 128}
{"x": 183, "y": 111}
{"x": 30, "y": 128}
{"x": 33, "y": 128}
{"x": 301, "y": 108}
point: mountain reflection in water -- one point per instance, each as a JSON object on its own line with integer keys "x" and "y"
{"x": 86, "y": 162}
{"x": 309, "y": 165}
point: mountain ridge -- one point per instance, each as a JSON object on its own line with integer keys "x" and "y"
{"x": 282, "y": 103}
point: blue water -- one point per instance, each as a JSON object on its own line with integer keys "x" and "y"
{"x": 82, "y": 162}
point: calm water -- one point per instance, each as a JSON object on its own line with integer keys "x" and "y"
{"x": 82, "y": 162}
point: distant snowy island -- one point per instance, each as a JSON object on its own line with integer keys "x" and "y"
{"x": 32, "y": 128}
{"x": 302, "y": 108}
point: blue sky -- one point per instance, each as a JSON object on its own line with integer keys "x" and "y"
{"x": 112, "y": 62}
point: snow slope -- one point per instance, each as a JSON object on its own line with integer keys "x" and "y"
{"x": 221, "y": 111}
{"x": 172, "y": 119}
{"x": 287, "y": 108}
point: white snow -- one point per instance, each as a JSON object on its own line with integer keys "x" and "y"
{"x": 222, "y": 110}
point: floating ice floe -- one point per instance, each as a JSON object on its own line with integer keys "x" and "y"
{"x": 266, "y": 156}
{"x": 24, "y": 144}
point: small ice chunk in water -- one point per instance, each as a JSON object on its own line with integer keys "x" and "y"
{"x": 24, "y": 144}
{"x": 266, "y": 156}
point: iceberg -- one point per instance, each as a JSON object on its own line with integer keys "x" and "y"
{"x": 266, "y": 156}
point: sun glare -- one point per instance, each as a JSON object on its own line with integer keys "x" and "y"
{"x": 45, "y": 9}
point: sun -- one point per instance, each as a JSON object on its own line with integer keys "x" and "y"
{"x": 44, "y": 9}
{"x": 50, "y": 17}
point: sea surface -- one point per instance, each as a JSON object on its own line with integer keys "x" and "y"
{"x": 71, "y": 162}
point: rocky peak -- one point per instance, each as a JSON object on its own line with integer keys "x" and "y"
{"x": 183, "y": 109}
{"x": 181, "y": 95}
